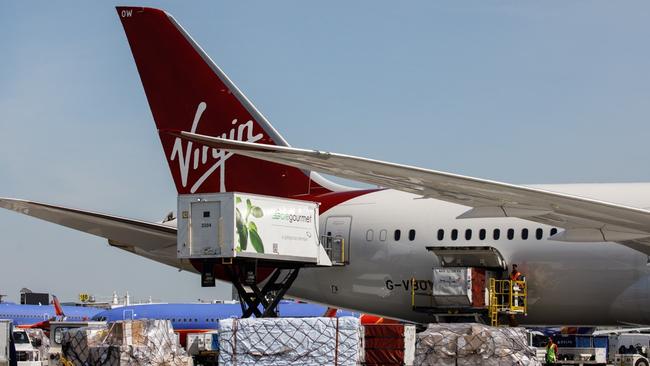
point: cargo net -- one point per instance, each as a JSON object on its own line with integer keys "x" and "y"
{"x": 290, "y": 341}
{"x": 473, "y": 344}
{"x": 124, "y": 343}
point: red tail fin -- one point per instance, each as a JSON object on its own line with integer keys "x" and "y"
{"x": 57, "y": 307}
{"x": 188, "y": 92}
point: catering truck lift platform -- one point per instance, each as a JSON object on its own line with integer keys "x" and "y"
{"x": 467, "y": 285}
{"x": 243, "y": 232}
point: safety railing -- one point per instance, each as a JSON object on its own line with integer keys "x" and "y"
{"x": 507, "y": 297}
{"x": 335, "y": 249}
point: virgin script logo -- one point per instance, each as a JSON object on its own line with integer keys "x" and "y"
{"x": 191, "y": 159}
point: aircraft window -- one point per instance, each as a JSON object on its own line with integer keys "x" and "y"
{"x": 481, "y": 234}
{"x": 411, "y": 235}
{"x": 196, "y": 320}
{"x": 553, "y": 231}
{"x": 398, "y": 234}
{"x": 496, "y": 234}
{"x": 441, "y": 234}
{"x": 454, "y": 234}
{"x": 524, "y": 234}
{"x": 370, "y": 235}
{"x": 207, "y": 320}
{"x": 511, "y": 234}
{"x": 539, "y": 233}
{"x": 468, "y": 234}
{"x": 174, "y": 319}
{"x": 383, "y": 234}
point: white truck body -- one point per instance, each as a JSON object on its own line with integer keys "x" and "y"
{"x": 231, "y": 225}
{"x": 5, "y": 342}
{"x": 636, "y": 340}
{"x": 26, "y": 353}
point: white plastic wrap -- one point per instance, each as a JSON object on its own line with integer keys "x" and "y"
{"x": 290, "y": 341}
{"x": 125, "y": 343}
{"x": 475, "y": 345}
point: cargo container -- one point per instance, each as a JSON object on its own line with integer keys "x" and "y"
{"x": 459, "y": 286}
{"x": 241, "y": 225}
{"x": 389, "y": 344}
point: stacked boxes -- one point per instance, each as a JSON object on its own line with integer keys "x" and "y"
{"x": 290, "y": 341}
{"x": 473, "y": 344}
{"x": 125, "y": 343}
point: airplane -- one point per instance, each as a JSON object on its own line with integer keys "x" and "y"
{"x": 584, "y": 248}
{"x": 199, "y": 318}
{"x": 39, "y": 316}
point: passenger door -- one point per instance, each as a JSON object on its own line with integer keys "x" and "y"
{"x": 339, "y": 227}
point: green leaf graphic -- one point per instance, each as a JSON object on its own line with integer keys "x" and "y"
{"x": 256, "y": 241}
{"x": 242, "y": 231}
{"x": 252, "y": 226}
{"x": 249, "y": 205}
{"x": 237, "y": 200}
{"x": 257, "y": 212}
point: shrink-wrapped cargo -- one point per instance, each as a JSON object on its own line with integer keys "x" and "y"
{"x": 290, "y": 341}
{"x": 473, "y": 344}
{"x": 125, "y": 343}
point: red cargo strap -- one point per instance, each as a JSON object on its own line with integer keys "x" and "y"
{"x": 336, "y": 348}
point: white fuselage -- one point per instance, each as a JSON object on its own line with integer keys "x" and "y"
{"x": 569, "y": 283}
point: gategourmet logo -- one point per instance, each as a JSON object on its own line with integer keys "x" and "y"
{"x": 291, "y": 218}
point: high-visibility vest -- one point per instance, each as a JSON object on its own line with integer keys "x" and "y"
{"x": 551, "y": 357}
{"x": 515, "y": 277}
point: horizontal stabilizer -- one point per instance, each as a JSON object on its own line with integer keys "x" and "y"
{"x": 147, "y": 236}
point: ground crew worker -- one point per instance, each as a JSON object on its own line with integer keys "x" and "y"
{"x": 551, "y": 352}
{"x": 516, "y": 288}
{"x": 515, "y": 275}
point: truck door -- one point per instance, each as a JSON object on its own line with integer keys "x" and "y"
{"x": 204, "y": 229}
{"x": 338, "y": 227}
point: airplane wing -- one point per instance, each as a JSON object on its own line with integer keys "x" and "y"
{"x": 152, "y": 240}
{"x": 584, "y": 219}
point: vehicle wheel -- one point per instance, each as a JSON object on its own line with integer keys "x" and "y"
{"x": 641, "y": 362}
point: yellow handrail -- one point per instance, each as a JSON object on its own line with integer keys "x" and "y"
{"x": 413, "y": 292}
{"x": 507, "y": 296}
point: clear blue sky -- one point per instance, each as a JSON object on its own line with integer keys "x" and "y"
{"x": 522, "y": 92}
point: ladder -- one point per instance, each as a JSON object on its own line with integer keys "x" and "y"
{"x": 507, "y": 297}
